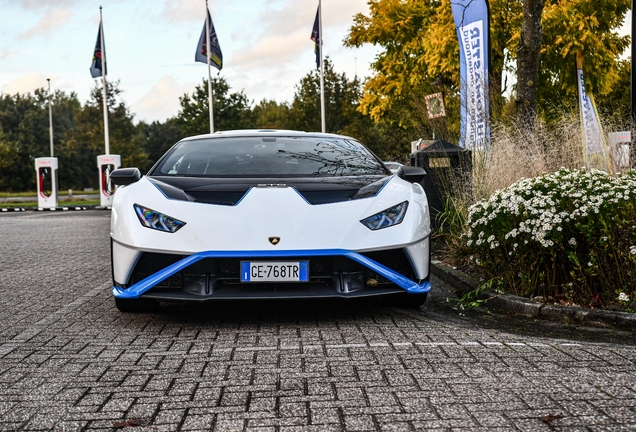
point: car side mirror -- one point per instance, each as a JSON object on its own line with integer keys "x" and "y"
{"x": 125, "y": 176}
{"x": 411, "y": 174}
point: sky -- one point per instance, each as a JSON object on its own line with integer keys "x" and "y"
{"x": 150, "y": 47}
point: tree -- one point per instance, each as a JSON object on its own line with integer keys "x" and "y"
{"x": 231, "y": 110}
{"x": 528, "y": 60}
{"x": 158, "y": 137}
{"x": 400, "y": 27}
{"x": 341, "y": 100}
{"x": 8, "y": 158}
{"x": 24, "y": 123}
{"x": 616, "y": 103}
{"x": 420, "y": 45}
{"x": 270, "y": 114}
{"x": 341, "y": 111}
{"x": 83, "y": 143}
{"x": 586, "y": 26}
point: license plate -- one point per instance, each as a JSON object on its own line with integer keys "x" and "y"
{"x": 274, "y": 271}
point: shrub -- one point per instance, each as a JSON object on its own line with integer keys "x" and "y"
{"x": 569, "y": 235}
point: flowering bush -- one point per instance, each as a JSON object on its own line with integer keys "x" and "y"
{"x": 570, "y": 235}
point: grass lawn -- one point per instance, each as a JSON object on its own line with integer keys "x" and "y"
{"x": 34, "y": 204}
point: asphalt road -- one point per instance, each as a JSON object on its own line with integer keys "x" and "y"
{"x": 69, "y": 360}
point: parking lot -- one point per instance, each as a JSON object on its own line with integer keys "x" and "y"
{"x": 69, "y": 360}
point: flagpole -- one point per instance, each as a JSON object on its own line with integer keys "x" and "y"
{"x": 104, "y": 91}
{"x": 50, "y": 117}
{"x": 207, "y": 44}
{"x": 322, "y": 71}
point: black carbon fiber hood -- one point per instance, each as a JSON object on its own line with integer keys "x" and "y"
{"x": 229, "y": 191}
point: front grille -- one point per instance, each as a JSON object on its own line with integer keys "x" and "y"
{"x": 208, "y": 277}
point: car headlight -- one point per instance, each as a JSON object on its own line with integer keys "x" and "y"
{"x": 159, "y": 221}
{"x": 389, "y": 217}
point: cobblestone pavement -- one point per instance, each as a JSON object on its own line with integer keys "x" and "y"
{"x": 70, "y": 361}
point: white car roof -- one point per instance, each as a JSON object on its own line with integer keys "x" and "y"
{"x": 266, "y": 132}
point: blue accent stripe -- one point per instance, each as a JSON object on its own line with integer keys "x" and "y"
{"x": 146, "y": 284}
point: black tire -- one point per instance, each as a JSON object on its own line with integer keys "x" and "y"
{"x": 408, "y": 301}
{"x": 136, "y": 305}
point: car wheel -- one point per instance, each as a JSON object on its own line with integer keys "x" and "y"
{"x": 136, "y": 305}
{"x": 408, "y": 301}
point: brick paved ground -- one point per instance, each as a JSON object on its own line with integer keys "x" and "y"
{"x": 70, "y": 361}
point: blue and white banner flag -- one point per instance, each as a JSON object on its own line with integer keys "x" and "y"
{"x": 593, "y": 137}
{"x": 471, "y": 21}
{"x": 216, "y": 56}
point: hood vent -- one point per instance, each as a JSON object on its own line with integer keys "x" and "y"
{"x": 229, "y": 191}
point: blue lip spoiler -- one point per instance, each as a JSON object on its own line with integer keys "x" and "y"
{"x": 136, "y": 290}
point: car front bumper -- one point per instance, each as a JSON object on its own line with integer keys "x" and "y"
{"x": 339, "y": 284}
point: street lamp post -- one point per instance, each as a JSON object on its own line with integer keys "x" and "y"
{"x": 50, "y": 118}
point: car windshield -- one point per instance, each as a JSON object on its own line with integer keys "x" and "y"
{"x": 268, "y": 157}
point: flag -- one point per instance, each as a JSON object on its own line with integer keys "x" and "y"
{"x": 471, "y": 21}
{"x": 98, "y": 56}
{"x": 593, "y": 137}
{"x": 216, "y": 56}
{"x": 315, "y": 36}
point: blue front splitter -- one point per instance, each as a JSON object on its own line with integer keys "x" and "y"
{"x": 136, "y": 290}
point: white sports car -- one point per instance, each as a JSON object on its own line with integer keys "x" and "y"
{"x": 269, "y": 214}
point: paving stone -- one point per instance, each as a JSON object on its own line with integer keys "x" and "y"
{"x": 306, "y": 366}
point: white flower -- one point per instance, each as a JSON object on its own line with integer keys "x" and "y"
{"x": 632, "y": 250}
{"x": 589, "y": 264}
{"x": 623, "y": 297}
{"x": 572, "y": 241}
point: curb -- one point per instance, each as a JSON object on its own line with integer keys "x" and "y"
{"x": 513, "y": 304}
{"x": 64, "y": 208}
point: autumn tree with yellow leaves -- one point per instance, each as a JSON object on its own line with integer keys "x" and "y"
{"x": 420, "y": 48}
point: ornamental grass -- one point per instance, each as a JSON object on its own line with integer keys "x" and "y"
{"x": 537, "y": 225}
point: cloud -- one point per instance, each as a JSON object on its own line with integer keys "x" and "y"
{"x": 54, "y": 18}
{"x": 162, "y": 101}
{"x": 274, "y": 50}
{"x": 342, "y": 13}
{"x": 5, "y": 53}
{"x": 286, "y": 30}
{"x": 177, "y": 11}
{"x": 37, "y": 4}
{"x": 25, "y": 83}
{"x": 286, "y": 17}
